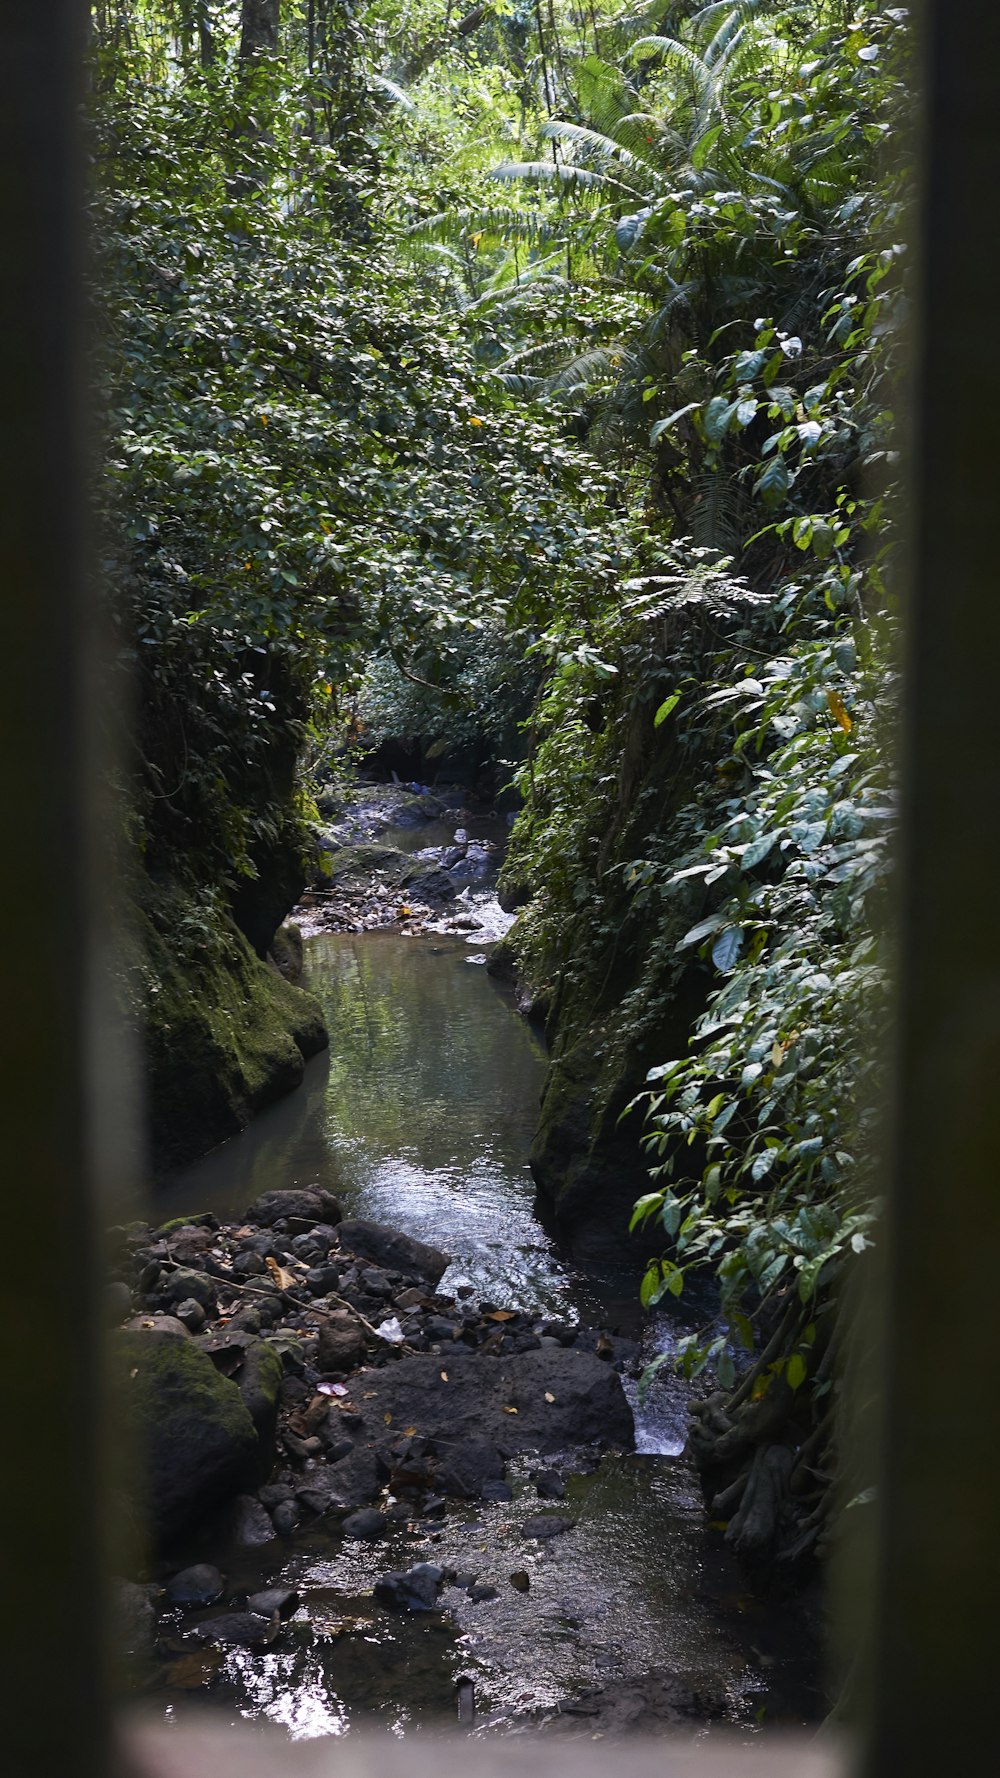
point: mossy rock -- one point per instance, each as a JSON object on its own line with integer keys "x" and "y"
{"x": 225, "y": 1034}
{"x": 354, "y": 868}
{"x": 286, "y": 952}
{"x": 258, "y": 1382}
{"x": 191, "y": 1438}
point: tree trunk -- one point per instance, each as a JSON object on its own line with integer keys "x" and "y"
{"x": 260, "y": 22}
{"x": 206, "y": 41}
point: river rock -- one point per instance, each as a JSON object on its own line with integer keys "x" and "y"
{"x": 416, "y": 1590}
{"x": 157, "y": 1324}
{"x": 588, "y": 1403}
{"x": 251, "y": 1523}
{"x": 320, "y": 1280}
{"x": 239, "y": 1629}
{"x": 191, "y": 1433}
{"x": 199, "y": 1585}
{"x": 341, "y": 1343}
{"x": 258, "y": 1381}
{"x": 393, "y": 1250}
{"x": 191, "y": 1314}
{"x": 368, "y": 1525}
{"x": 545, "y": 1525}
{"x": 354, "y": 1481}
{"x": 285, "y": 1518}
{"x": 118, "y": 1301}
{"x": 283, "y": 1600}
{"x": 305, "y": 1207}
{"x": 186, "y": 1285}
{"x": 549, "y": 1484}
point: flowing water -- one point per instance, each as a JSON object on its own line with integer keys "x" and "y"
{"x": 421, "y": 1116}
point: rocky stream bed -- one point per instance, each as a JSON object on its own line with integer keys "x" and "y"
{"x": 391, "y": 1444}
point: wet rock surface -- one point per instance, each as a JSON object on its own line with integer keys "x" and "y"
{"x": 370, "y": 872}
{"x": 324, "y": 1403}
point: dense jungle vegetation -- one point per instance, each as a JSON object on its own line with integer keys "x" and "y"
{"x": 525, "y": 374}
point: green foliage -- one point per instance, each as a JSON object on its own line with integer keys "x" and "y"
{"x": 305, "y": 460}
{"x": 763, "y": 382}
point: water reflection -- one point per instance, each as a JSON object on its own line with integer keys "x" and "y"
{"x": 421, "y": 1115}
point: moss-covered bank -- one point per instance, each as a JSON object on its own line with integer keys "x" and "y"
{"x": 225, "y": 1032}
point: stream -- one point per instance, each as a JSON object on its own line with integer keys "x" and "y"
{"x": 421, "y": 1116}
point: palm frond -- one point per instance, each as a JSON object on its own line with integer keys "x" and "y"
{"x": 397, "y": 93}
{"x": 607, "y": 147}
{"x": 670, "y": 49}
{"x": 499, "y": 222}
{"x": 551, "y": 173}
{"x": 587, "y": 369}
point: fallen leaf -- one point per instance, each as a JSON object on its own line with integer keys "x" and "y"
{"x": 409, "y": 1431}
{"x": 444, "y": 1376}
{"x": 282, "y": 1279}
{"x": 388, "y": 1419}
{"x": 501, "y": 1315}
{"x": 509, "y": 1410}
{"x": 331, "y": 1388}
{"x": 134, "y": 1372}
{"x": 549, "y": 1397}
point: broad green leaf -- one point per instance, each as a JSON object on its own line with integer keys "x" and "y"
{"x": 644, "y": 1207}
{"x": 772, "y": 483}
{"x": 727, "y": 948}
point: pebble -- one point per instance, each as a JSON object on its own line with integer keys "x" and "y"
{"x": 285, "y": 1518}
